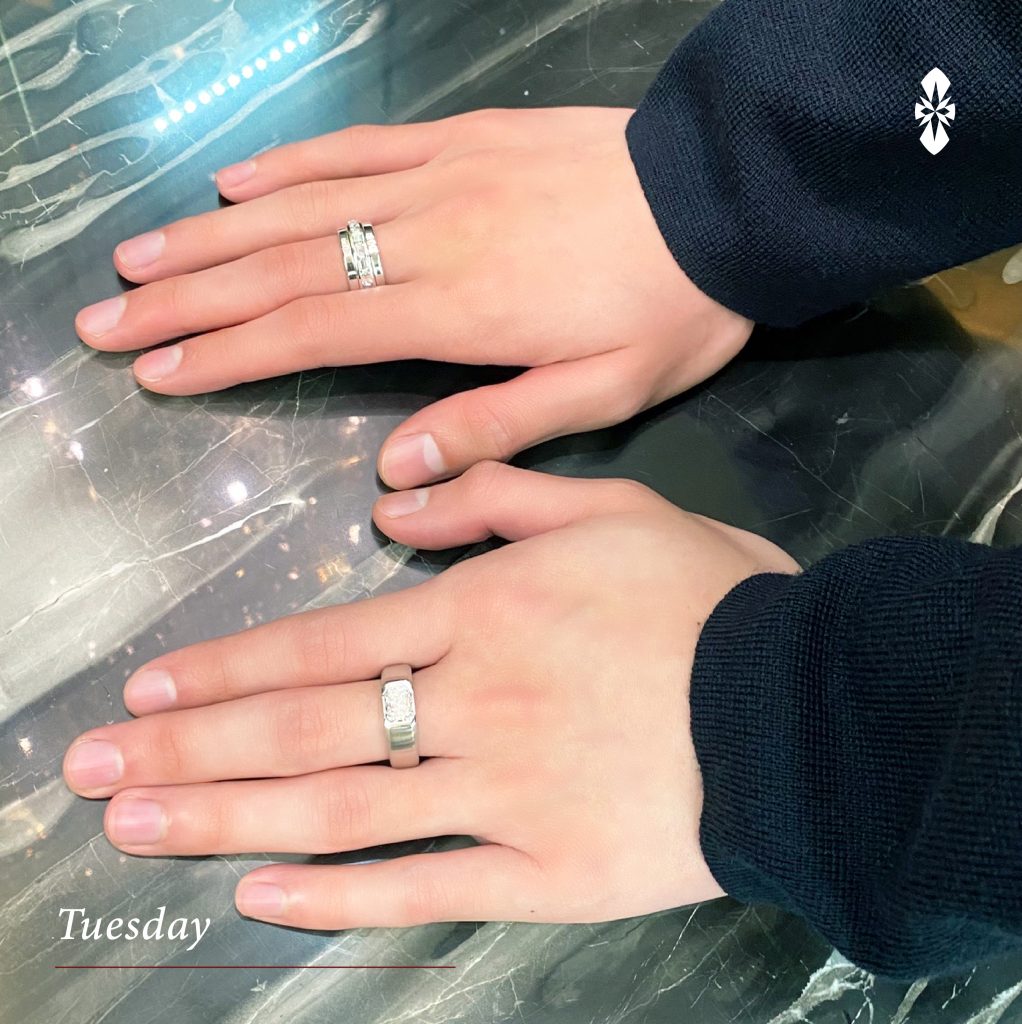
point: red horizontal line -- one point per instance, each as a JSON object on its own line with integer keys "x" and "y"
{"x": 254, "y": 967}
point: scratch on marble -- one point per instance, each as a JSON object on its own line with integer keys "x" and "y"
{"x": 120, "y": 567}
{"x": 102, "y": 416}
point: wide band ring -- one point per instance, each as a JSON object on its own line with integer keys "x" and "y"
{"x": 360, "y": 252}
{"x": 398, "y": 699}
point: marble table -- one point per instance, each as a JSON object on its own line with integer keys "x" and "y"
{"x": 131, "y": 524}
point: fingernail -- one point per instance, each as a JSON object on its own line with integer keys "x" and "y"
{"x": 100, "y": 317}
{"x": 260, "y": 899}
{"x": 158, "y": 364}
{"x": 141, "y": 250}
{"x": 403, "y": 503}
{"x": 136, "y": 821}
{"x": 411, "y": 459}
{"x": 149, "y": 691}
{"x": 236, "y": 173}
{"x": 94, "y": 764}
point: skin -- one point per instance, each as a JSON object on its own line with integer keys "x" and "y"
{"x": 513, "y": 237}
{"x": 568, "y": 756}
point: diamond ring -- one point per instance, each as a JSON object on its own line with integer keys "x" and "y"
{"x": 398, "y": 699}
{"x": 361, "y": 255}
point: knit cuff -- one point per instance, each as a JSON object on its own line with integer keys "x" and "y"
{"x": 858, "y": 727}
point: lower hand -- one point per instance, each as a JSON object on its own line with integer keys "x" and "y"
{"x": 552, "y": 697}
{"x": 511, "y": 237}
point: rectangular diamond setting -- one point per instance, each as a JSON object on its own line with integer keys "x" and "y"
{"x": 398, "y": 703}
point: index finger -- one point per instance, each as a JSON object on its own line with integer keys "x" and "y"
{"x": 344, "y": 643}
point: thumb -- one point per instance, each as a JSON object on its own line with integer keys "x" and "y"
{"x": 492, "y": 499}
{"x": 499, "y": 420}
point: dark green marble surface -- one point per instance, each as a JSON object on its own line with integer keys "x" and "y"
{"x": 131, "y": 523}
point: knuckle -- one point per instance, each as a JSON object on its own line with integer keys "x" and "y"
{"x": 176, "y": 297}
{"x": 309, "y": 324}
{"x": 358, "y": 139}
{"x": 171, "y": 748}
{"x": 212, "y": 826}
{"x": 308, "y": 205}
{"x": 316, "y": 646}
{"x": 425, "y": 896}
{"x": 218, "y": 679}
{"x": 487, "y": 122}
{"x": 491, "y": 421}
{"x": 631, "y": 493}
{"x": 284, "y": 263}
{"x": 482, "y": 479}
{"x": 300, "y": 728}
{"x": 624, "y": 402}
{"x": 347, "y": 815}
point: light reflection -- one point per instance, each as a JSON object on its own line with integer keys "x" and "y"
{"x": 237, "y": 491}
{"x": 234, "y": 79}
{"x": 34, "y": 387}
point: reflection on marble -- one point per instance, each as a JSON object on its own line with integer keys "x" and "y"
{"x": 132, "y": 524}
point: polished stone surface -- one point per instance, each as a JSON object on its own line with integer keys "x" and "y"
{"x": 131, "y": 524}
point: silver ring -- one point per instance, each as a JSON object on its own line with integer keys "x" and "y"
{"x": 360, "y": 253}
{"x": 398, "y": 699}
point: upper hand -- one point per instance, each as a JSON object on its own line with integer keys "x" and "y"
{"x": 512, "y": 237}
{"x": 552, "y": 702}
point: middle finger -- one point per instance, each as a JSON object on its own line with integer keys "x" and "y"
{"x": 287, "y": 215}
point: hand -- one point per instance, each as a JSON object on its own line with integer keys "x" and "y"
{"x": 552, "y": 705}
{"x": 512, "y": 237}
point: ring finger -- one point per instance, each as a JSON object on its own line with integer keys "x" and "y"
{"x": 327, "y": 812}
{"x": 290, "y": 214}
{"x": 283, "y": 733}
{"x": 240, "y": 290}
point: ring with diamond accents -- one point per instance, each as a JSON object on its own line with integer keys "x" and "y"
{"x": 398, "y": 698}
{"x": 360, "y": 253}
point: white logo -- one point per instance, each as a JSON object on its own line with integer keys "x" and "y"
{"x": 934, "y": 111}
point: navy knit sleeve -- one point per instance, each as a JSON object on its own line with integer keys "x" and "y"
{"x": 780, "y": 154}
{"x": 859, "y": 731}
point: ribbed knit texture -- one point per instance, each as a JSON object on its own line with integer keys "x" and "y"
{"x": 780, "y": 155}
{"x": 859, "y": 731}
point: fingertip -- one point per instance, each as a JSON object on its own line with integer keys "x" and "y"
{"x": 157, "y": 364}
{"x": 228, "y": 179}
{"x": 410, "y": 461}
{"x": 399, "y": 505}
{"x": 260, "y": 899}
{"x": 149, "y": 691}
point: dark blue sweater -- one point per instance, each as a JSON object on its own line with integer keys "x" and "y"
{"x": 859, "y": 726}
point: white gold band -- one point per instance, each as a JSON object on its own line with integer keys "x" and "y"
{"x": 398, "y": 699}
{"x": 360, "y": 252}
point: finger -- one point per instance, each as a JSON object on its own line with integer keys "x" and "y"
{"x": 402, "y": 321}
{"x": 327, "y": 645}
{"x": 477, "y": 883}
{"x": 285, "y": 733}
{"x": 493, "y": 499}
{"x": 238, "y": 291}
{"x": 361, "y": 150}
{"x": 499, "y": 420}
{"x": 311, "y": 210}
{"x": 342, "y": 809}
